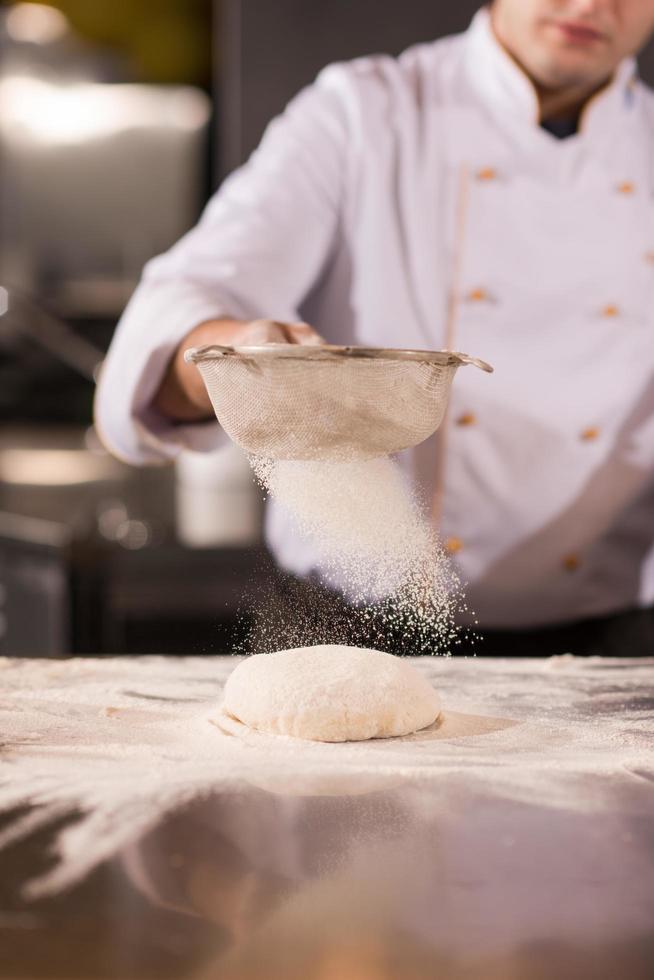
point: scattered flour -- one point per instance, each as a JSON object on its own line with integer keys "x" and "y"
{"x": 99, "y": 751}
{"x": 376, "y": 546}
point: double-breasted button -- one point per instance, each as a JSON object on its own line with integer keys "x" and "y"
{"x": 590, "y": 434}
{"x": 571, "y": 562}
{"x": 467, "y": 418}
{"x": 453, "y": 545}
{"x": 477, "y": 295}
{"x": 487, "y": 174}
{"x": 626, "y": 187}
{"x": 611, "y": 310}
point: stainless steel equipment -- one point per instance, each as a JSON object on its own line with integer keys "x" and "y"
{"x": 289, "y": 401}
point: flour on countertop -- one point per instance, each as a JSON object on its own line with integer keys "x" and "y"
{"x": 117, "y": 743}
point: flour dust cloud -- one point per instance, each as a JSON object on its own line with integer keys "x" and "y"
{"x": 375, "y": 548}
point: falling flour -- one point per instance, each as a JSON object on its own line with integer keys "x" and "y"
{"x": 374, "y": 546}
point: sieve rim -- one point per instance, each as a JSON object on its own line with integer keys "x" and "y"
{"x": 310, "y": 352}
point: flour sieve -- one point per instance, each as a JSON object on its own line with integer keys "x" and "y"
{"x": 291, "y": 401}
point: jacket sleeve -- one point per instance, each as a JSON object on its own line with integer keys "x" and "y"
{"x": 256, "y": 252}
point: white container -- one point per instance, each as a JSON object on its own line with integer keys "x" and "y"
{"x": 218, "y": 503}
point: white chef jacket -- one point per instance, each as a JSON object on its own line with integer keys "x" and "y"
{"x": 416, "y": 202}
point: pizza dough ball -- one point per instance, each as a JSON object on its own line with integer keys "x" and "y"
{"x": 330, "y": 694}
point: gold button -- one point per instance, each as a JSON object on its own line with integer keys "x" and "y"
{"x": 649, "y": 257}
{"x": 571, "y": 563}
{"x": 626, "y": 187}
{"x": 590, "y": 434}
{"x": 487, "y": 173}
{"x": 610, "y": 310}
{"x": 477, "y": 295}
{"x": 453, "y": 545}
{"x": 466, "y": 419}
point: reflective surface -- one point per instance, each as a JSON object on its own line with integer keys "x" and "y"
{"x": 382, "y": 894}
{"x": 479, "y": 856}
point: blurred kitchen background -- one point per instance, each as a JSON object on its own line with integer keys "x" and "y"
{"x": 117, "y": 121}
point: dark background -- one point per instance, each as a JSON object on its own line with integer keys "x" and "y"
{"x": 268, "y": 51}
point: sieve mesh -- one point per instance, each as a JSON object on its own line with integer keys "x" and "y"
{"x": 286, "y": 401}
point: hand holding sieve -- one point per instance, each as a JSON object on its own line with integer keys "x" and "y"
{"x": 290, "y": 401}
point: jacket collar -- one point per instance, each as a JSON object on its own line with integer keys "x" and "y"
{"x": 508, "y": 92}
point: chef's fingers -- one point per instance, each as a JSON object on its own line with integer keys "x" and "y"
{"x": 263, "y": 332}
{"x": 275, "y": 332}
{"x": 303, "y": 333}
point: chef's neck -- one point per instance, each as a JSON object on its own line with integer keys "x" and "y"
{"x": 562, "y": 102}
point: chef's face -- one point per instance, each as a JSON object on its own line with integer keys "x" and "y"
{"x": 572, "y": 42}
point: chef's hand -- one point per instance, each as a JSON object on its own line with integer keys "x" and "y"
{"x": 182, "y": 396}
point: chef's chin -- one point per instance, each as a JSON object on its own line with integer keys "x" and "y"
{"x": 555, "y": 65}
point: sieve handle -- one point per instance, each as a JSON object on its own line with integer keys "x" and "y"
{"x": 477, "y": 362}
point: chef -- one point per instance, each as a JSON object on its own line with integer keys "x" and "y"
{"x": 491, "y": 193}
